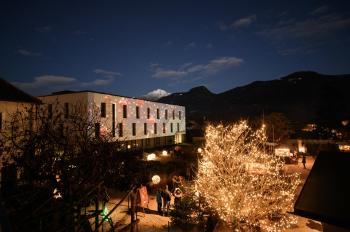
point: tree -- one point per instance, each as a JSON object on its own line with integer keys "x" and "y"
{"x": 245, "y": 186}
{"x": 63, "y": 164}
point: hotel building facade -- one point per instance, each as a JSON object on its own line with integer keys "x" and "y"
{"x": 137, "y": 123}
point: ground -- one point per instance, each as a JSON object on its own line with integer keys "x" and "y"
{"x": 150, "y": 221}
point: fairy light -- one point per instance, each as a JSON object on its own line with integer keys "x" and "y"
{"x": 245, "y": 186}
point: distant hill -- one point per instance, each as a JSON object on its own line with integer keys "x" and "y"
{"x": 301, "y": 96}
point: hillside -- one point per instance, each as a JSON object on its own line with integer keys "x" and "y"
{"x": 301, "y": 96}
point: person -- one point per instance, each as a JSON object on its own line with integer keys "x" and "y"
{"x": 133, "y": 204}
{"x": 304, "y": 161}
{"x": 167, "y": 199}
{"x": 159, "y": 201}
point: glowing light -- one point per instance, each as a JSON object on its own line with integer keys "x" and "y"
{"x": 247, "y": 187}
{"x": 56, "y": 194}
{"x": 344, "y": 148}
{"x": 302, "y": 149}
{"x": 282, "y": 151}
{"x": 155, "y": 179}
{"x": 199, "y": 150}
{"x": 129, "y": 146}
{"x": 164, "y": 153}
{"x": 151, "y": 156}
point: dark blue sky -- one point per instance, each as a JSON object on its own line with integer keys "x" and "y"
{"x": 134, "y": 47}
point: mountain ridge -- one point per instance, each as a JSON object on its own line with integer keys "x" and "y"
{"x": 303, "y": 96}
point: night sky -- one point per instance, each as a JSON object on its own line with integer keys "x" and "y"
{"x": 133, "y": 47}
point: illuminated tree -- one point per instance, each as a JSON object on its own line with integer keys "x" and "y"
{"x": 244, "y": 185}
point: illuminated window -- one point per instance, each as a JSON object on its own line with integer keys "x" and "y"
{"x": 134, "y": 129}
{"x": 148, "y": 113}
{"x": 137, "y": 112}
{"x": 164, "y": 128}
{"x": 103, "y": 109}
{"x": 145, "y": 128}
{"x": 155, "y": 128}
{"x": 157, "y": 113}
{"x": 178, "y": 127}
{"x": 166, "y": 114}
{"x": 180, "y": 115}
{"x": 49, "y": 111}
{"x": 171, "y": 127}
{"x": 125, "y": 112}
{"x": 66, "y": 110}
{"x": 120, "y": 129}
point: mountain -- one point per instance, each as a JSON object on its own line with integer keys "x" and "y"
{"x": 302, "y": 97}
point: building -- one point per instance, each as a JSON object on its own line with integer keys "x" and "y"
{"x": 13, "y": 100}
{"x": 138, "y": 123}
{"x": 325, "y": 194}
{"x": 14, "y": 105}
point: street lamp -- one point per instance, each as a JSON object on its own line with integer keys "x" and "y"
{"x": 155, "y": 179}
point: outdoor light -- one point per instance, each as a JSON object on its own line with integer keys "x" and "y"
{"x": 129, "y": 146}
{"x": 164, "y": 153}
{"x": 155, "y": 179}
{"x": 199, "y": 150}
{"x": 302, "y": 149}
{"x": 151, "y": 156}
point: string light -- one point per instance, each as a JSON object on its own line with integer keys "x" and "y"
{"x": 247, "y": 187}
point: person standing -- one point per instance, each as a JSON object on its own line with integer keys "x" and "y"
{"x": 133, "y": 204}
{"x": 167, "y": 199}
{"x": 304, "y": 161}
{"x": 159, "y": 201}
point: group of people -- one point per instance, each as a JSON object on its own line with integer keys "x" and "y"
{"x": 164, "y": 195}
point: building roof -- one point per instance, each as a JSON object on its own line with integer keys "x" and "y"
{"x": 92, "y": 91}
{"x": 8, "y": 92}
{"x": 326, "y": 193}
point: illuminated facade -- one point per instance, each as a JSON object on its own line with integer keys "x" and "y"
{"x": 138, "y": 123}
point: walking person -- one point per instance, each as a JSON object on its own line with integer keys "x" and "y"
{"x": 159, "y": 201}
{"x": 304, "y": 161}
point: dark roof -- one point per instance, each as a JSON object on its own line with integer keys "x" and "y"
{"x": 326, "y": 193}
{"x": 9, "y": 92}
{"x": 92, "y": 91}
